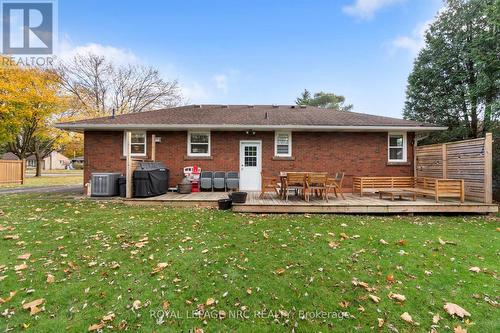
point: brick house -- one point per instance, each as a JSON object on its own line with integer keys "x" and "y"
{"x": 253, "y": 139}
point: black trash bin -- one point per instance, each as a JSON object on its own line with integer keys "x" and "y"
{"x": 122, "y": 186}
{"x": 225, "y": 204}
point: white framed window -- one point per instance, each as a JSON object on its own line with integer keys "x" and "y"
{"x": 198, "y": 144}
{"x": 283, "y": 144}
{"x": 396, "y": 145}
{"x": 137, "y": 144}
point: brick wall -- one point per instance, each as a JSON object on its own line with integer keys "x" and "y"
{"x": 356, "y": 154}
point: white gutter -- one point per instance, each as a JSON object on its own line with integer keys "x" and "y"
{"x": 224, "y": 127}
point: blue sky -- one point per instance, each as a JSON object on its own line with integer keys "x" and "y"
{"x": 260, "y": 52}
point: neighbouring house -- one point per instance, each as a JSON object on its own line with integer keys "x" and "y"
{"x": 54, "y": 161}
{"x": 9, "y": 157}
{"x": 252, "y": 139}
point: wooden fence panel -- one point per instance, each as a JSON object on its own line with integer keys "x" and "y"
{"x": 11, "y": 172}
{"x": 469, "y": 160}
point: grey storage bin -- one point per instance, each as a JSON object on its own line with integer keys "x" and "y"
{"x": 206, "y": 180}
{"x": 219, "y": 180}
{"x": 232, "y": 181}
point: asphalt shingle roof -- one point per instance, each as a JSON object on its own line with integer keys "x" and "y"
{"x": 242, "y": 115}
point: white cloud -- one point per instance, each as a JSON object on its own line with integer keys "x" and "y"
{"x": 221, "y": 82}
{"x": 366, "y": 9}
{"x": 67, "y": 50}
{"x": 415, "y": 42}
{"x": 194, "y": 92}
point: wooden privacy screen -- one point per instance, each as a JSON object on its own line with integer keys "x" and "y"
{"x": 469, "y": 160}
{"x": 11, "y": 172}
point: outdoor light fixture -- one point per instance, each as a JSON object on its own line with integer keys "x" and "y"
{"x": 250, "y": 132}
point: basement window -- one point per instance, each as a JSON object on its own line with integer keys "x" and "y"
{"x": 137, "y": 144}
{"x": 397, "y": 147}
{"x": 198, "y": 144}
{"x": 283, "y": 144}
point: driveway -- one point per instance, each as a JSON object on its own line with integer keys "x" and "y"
{"x": 44, "y": 189}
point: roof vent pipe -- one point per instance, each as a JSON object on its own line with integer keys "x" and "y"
{"x": 113, "y": 113}
{"x": 266, "y": 116}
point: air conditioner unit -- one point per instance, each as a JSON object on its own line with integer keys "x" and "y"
{"x": 104, "y": 184}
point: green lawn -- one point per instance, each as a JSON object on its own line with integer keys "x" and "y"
{"x": 70, "y": 178}
{"x": 121, "y": 264}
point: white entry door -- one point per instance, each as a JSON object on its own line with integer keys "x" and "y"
{"x": 250, "y": 165}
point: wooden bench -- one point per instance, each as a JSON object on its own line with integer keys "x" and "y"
{"x": 424, "y": 186}
{"x": 439, "y": 188}
{"x": 375, "y": 184}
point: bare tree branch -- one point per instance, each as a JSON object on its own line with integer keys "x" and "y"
{"x": 97, "y": 86}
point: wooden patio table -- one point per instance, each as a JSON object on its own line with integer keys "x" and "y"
{"x": 397, "y": 192}
{"x": 283, "y": 175}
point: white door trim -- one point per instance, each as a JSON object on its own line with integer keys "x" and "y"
{"x": 257, "y": 178}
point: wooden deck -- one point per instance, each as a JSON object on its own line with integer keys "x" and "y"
{"x": 368, "y": 204}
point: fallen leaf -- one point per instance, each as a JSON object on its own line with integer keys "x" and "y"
{"x": 249, "y": 291}
{"x": 24, "y": 256}
{"x": 136, "y": 305}
{"x": 109, "y": 317}
{"x": 20, "y": 267}
{"x": 475, "y": 269}
{"x": 442, "y": 242}
{"x": 5, "y": 300}
{"x": 343, "y": 236}
{"x": 374, "y": 298}
{"x": 33, "y": 306}
{"x": 11, "y": 237}
{"x": 436, "y": 318}
{"x": 402, "y": 242}
{"x": 390, "y": 278}
{"x": 397, "y": 297}
{"x": 165, "y": 305}
{"x": 159, "y": 267}
{"x": 280, "y": 271}
{"x": 333, "y": 245}
{"x": 382, "y": 241}
{"x": 95, "y": 327}
{"x": 406, "y": 317}
{"x": 344, "y": 304}
{"x": 380, "y": 322}
{"x": 204, "y": 251}
{"x": 459, "y": 329}
{"x": 210, "y": 301}
{"x": 51, "y": 278}
{"x": 454, "y": 309}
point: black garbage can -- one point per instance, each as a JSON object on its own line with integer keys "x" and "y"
{"x": 225, "y": 204}
{"x": 142, "y": 185}
{"x": 122, "y": 186}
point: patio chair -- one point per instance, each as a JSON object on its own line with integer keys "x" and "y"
{"x": 335, "y": 185}
{"x": 219, "y": 180}
{"x": 269, "y": 183}
{"x": 206, "y": 180}
{"x": 316, "y": 184}
{"x": 294, "y": 181}
{"x": 232, "y": 181}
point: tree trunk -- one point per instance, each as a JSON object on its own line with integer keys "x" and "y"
{"x": 487, "y": 112}
{"x": 39, "y": 162}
